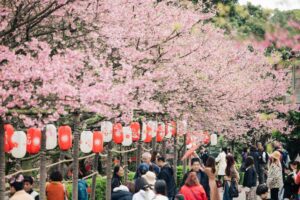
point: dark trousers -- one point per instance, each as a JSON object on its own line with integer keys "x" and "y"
{"x": 274, "y": 193}
{"x": 261, "y": 174}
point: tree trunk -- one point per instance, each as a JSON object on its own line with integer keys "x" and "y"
{"x": 95, "y": 169}
{"x": 2, "y": 161}
{"x": 183, "y": 152}
{"x": 125, "y": 166}
{"x": 164, "y": 150}
{"x": 75, "y": 157}
{"x": 153, "y": 144}
{"x": 61, "y": 165}
{"x": 43, "y": 170}
{"x": 108, "y": 171}
{"x": 139, "y": 147}
{"x": 175, "y": 157}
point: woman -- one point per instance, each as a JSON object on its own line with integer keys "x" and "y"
{"x": 244, "y": 157}
{"x": 117, "y": 177}
{"x": 160, "y": 189}
{"x": 250, "y": 179}
{"x": 231, "y": 175}
{"x": 221, "y": 160}
{"x": 275, "y": 180}
{"x": 145, "y": 192}
{"x": 192, "y": 190}
{"x": 210, "y": 171}
{"x": 55, "y": 189}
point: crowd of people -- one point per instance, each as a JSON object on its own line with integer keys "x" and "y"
{"x": 269, "y": 176}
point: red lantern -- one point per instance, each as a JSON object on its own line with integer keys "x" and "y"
{"x": 135, "y": 128}
{"x": 173, "y": 125}
{"x": 206, "y": 138}
{"x": 64, "y": 137}
{"x": 148, "y": 136}
{"x": 97, "y": 142}
{"x": 9, "y": 131}
{"x": 118, "y": 133}
{"x": 34, "y": 136}
{"x": 160, "y": 133}
{"x": 188, "y": 139}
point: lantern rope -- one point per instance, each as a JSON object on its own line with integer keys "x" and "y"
{"x": 148, "y": 150}
{"x": 130, "y": 150}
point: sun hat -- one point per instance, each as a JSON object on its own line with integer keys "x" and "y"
{"x": 150, "y": 177}
{"x": 276, "y": 155}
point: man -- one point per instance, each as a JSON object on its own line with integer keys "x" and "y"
{"x": 202, "y": 177}
{"x": 254, "y": 154}
{"x": 203, "y": 155}
{"x": 146, "y": 158}
{"x": 17, "y": 188}
{"x": 28, "y": 185}
{"x": 263, "y": 158}
{"x": 167, "y": 174}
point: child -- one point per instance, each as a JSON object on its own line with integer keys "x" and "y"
{"x": 250, "y": 178}
{"x": 262, "y": 191}
{"x": 28, "y": 185}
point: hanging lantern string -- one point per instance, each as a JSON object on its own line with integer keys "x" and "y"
{"x": 148, "y": 150}
{"x": 127, "y": 151}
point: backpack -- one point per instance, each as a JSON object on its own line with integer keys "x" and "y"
{"x": 82, "y": 190}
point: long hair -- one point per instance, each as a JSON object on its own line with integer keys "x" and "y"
{"x": 116, "y": 170}
{"x": 192, "y": 179}
{"x": 211, "y": 163}
{"x": 230, "y": 163}
{"x": 249, "y": 161}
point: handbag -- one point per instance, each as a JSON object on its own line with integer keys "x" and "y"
{"x": 233, "y": 189}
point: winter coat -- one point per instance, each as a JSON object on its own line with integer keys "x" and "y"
{"x": 255, "y": 156}
{"x": 144, "y": 195}
{"x": 221, "y": 159}
{"x": 115, "y": 182}
{"x": 121, "y": 195}
{"x": 167, "y": 174}
{"x": 203, "y": 179}
{"x": 297, "y": 181}
{"x": 193, "y": 192}
{"x": 274, "y": 179}
{"x": 250, "y": 177}
{"x": 21, "y": 195}
{"x": 290, "y": 187}
{"x": 34, "y": 194}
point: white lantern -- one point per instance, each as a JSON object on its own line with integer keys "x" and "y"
{"x": 106, "y": 129}
{"x": 86, "y": 141}
{"x": 169, "y": 130}
{"x": 144, "y": 131}
{"x": 19, "y": 139}
{"x": 127, "y": 136}
{"x": 51, "y": 137}
{"x": 153, "y": 126}
{"x": 213, "y": 139}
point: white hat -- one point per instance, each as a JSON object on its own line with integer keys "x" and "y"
{"x": 150, "y": 177}
{"x": 121, "y": 188}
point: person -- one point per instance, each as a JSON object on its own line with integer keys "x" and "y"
{"x": 290, "y": 187}
{"x": 203, "y": 155}
{"x": 263, "y": 158}
{"x": 55, "y": 189}
{"x": 244, "y": 157}
{"x": 28, "y": 187}
{"x": 297, "y": 181}
{"x": 145, "y": 191}
{"x": 192, "y": 189}
{"x": 254, "y": 154}
{"x": 202, "y": 177}
{"x": 142, "y": 169}
{"x": 121, "y": 193}
{"x": 221, "y": 160}
{"x": 117, "y": 177}
{"x": 262, "y": 191}
{"x": 17, "y": 188}
{"x": 274, "y": 180}
{"x": 210, "y": 171}
{"x": 231, "y": 174}
{"x": 150, "y": 178}
{"x": 167, "y": 174}
{"x": 160, "y": 189}
{"x": 250, "y": 179}
{"x": 146, "y": 158}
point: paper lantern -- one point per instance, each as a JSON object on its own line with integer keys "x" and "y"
{"x": 51, "y": 137}
{"x": 127, "y": 133}
{"x": 153, "y": 128}
{"x": 9, "y": 131}
{"x": 136, "y": 131}
{"x": 213, "y": 139}
{"x": 97, "y": 142}
{"x": 188, "y": 139}
{"x": 106, "y": 129}
{"x": 86, "y": 141}
{"x": 19, "y": 149}
{"x": 118, "y": 133}
{"x": 206, "y": 138}
{"x": 160, "y": 133}
{"x": 148, "y": 135}
{"x": 64, "y": 137}
{"x": 34, "y": 137}
{"x": 170, "y": 129}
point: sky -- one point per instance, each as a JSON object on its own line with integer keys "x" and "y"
{"x": 272, "y": 4}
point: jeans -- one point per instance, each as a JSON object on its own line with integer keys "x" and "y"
{"x": 226, "y": 191}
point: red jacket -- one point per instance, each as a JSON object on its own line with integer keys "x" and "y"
{"x": 297, "y": 181}
{"x": 196, "y": 192}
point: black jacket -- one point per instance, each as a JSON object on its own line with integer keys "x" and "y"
{"x": 250, "y": 177}
{"x": 167, "y": 174}
{"x": 255, "y": 156}
{"x": 290, "y": 187}
{"x": 115, "y": 182}
{"x": 203, "y": 179}
{"x": 121, "y": 195}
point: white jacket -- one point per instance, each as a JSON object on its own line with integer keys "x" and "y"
{"x": 144, "y": 195}
{"x": 160, "y": 197}
{"x": 221, "y": 159}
